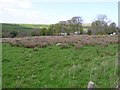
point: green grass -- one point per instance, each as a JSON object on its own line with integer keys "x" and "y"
{"x": 35, "y": 25}
{"x": 56, "y": 67}
{"x": 22, "y": 27}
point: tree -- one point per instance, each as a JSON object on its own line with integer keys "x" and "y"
{"x": 89, "y": 32}
{"x": 63, "y": 26}
{"x": 77, "y": 23}
{"x": 50, "y": 30}
{"x": 100, "y": 25}
{"x": 43, "y": 31}
{"x": 111, "y": 28}
{"x": 58, "y": 29}
{"x": 69, "y": 26}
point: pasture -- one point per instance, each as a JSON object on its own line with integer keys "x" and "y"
{"x": 72, "y": 64}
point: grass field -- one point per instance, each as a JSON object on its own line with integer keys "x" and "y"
{"x": 22, "y": 27}
{"x": 55, "y": 67}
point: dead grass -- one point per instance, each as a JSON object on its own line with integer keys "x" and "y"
{"x": 77, "y": 41}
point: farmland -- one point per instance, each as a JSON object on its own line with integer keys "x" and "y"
{"x": 27, "y": 27}
{"x": 60, "y": 61}
{"x": 17, "y": 27}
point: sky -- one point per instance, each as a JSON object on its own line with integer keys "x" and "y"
{"x": 53, "y": 11}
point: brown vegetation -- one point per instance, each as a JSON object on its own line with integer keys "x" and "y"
{"x": 77, "y": 41}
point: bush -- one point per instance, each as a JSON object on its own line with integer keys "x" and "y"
{"x": 35, "y": 49}
{"x": 13, "y": 34}
{"x": 78, "y": 45}
{"x": 64, "y": 46}
{"x": 42, "y": 45}
{"x": 89, "y": 32}
{"x": 35, "y": 33}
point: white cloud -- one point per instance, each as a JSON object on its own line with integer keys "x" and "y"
{"x": 21, "y": 11}
{"x": 16, "y": 9}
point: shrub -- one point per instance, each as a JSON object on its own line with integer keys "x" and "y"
{"x": 35, "y": 33}
{"x": 78, "y": 45}
{"x": 64, "y": 45}
{"x": 28, "y": 43}
{"x": 35, "y": 49}
{"x": 13, "y": 34}
{"x": 89, "y": 32}
{"x": 42, "y": 45}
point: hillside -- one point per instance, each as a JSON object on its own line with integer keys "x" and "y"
{"x": 21, "y": 30}
{"x": 22, "y": 27}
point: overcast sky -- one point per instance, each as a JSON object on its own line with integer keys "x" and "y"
{"x": 53, "y": 11}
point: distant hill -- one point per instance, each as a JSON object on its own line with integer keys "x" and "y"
{"x": 86, "y": 24}
{"x": 28, "y": 27}
{"x": 9, "y": 26}
{"x": 35, "y": 25}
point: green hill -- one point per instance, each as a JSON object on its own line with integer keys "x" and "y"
{"x": 22, "y": 27}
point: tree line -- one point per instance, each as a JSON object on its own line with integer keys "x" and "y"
{"x": 100, "y": 26}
